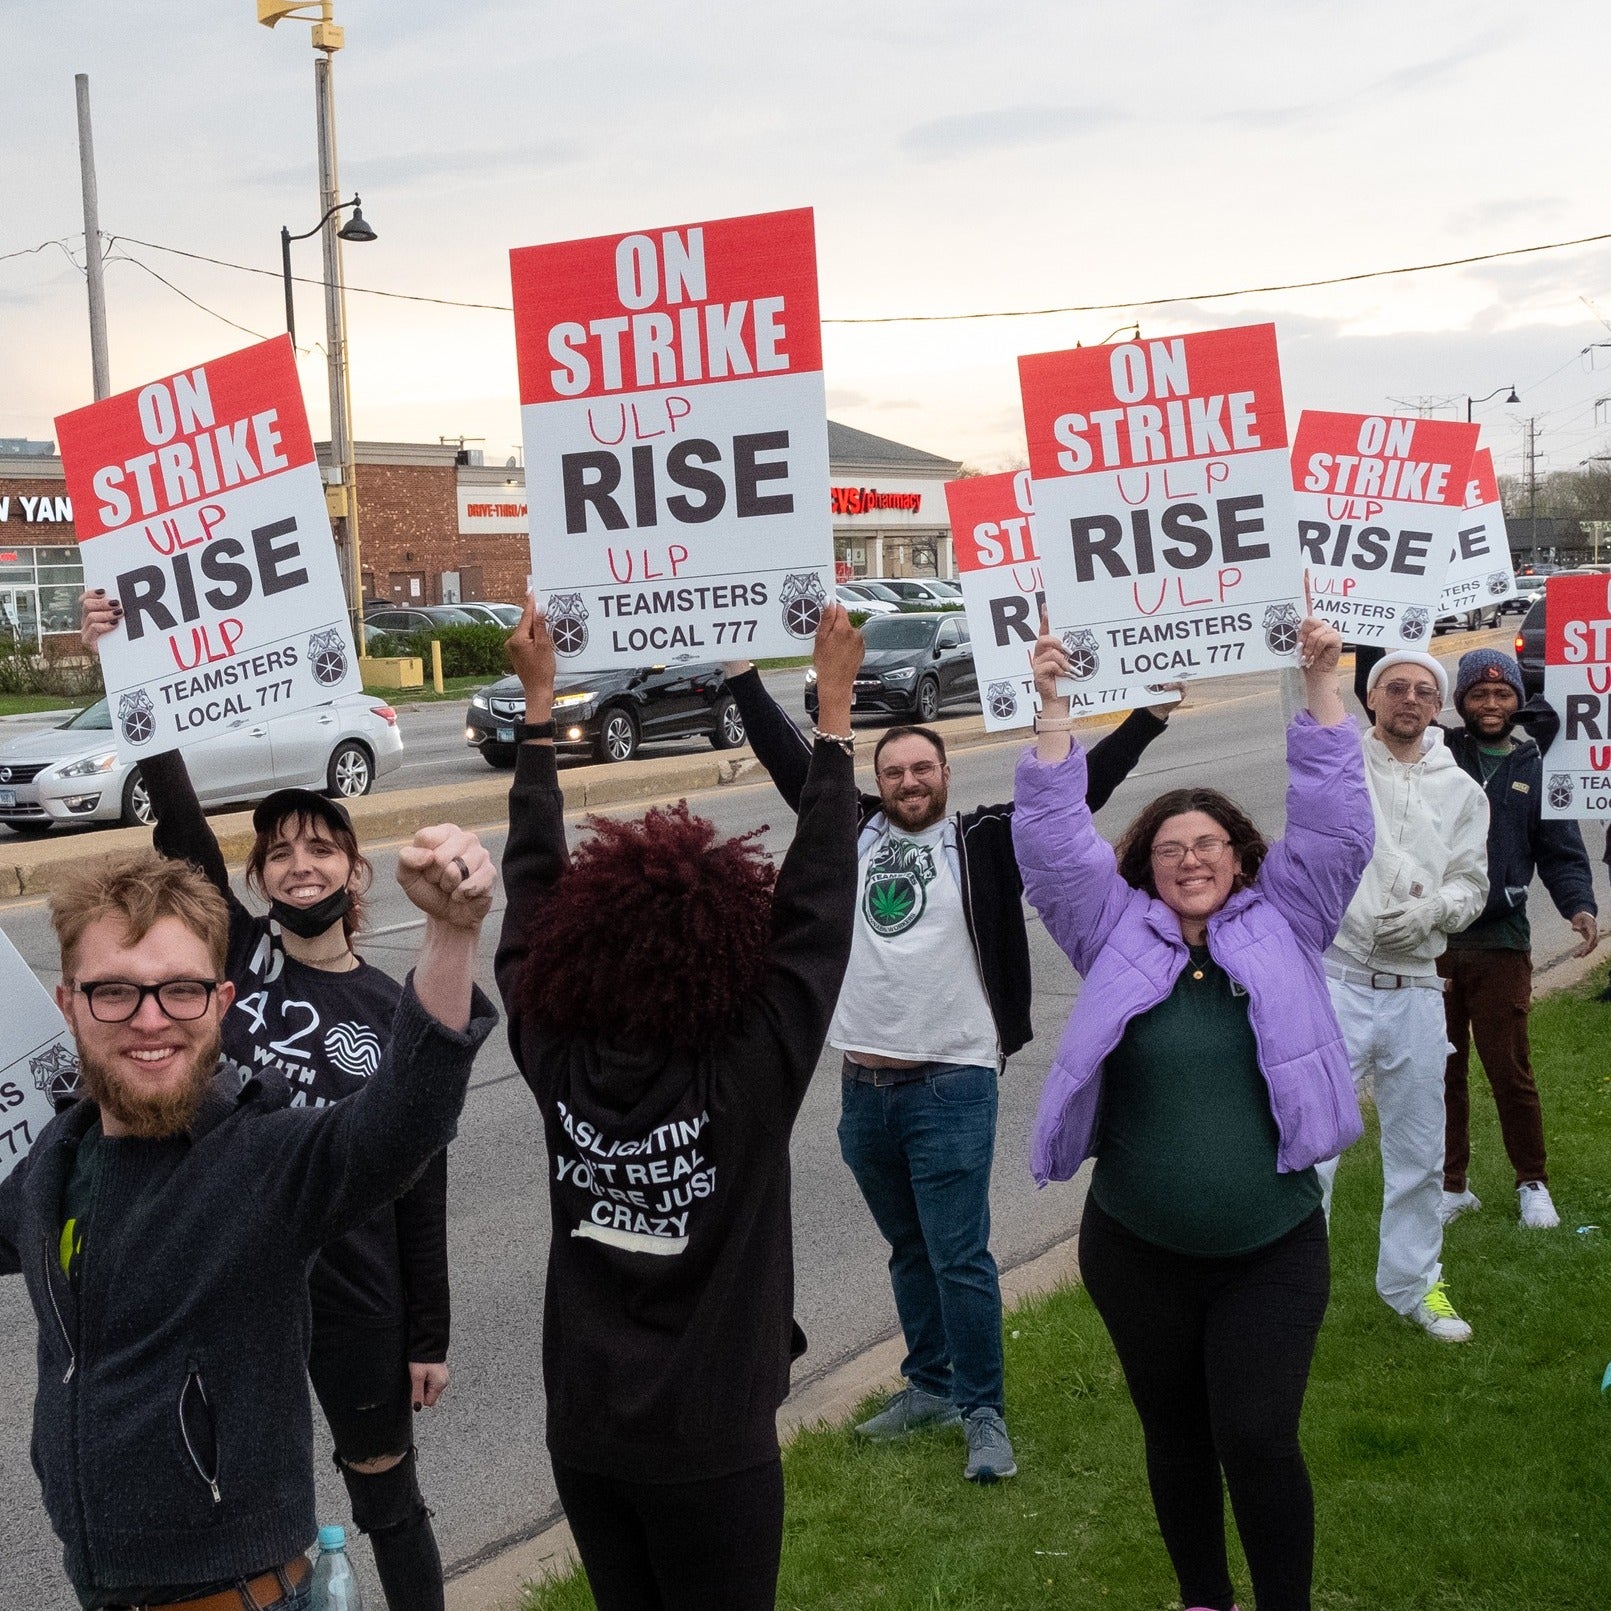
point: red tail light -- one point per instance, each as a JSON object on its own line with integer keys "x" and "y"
{"x": 389, "y": 716}
{"x": 1518, "y": 645}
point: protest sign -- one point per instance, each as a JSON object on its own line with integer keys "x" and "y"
{"x": 1380, "y": 501}
{"x": 199, "y": 505}
{"x": 998, "y": 564}
{"x": 1164, "y": 505}
{"x": 1479, "y": 574}
{"x": 676, "y": 440}
{"x": 37, "y": 1058}
{"x": 1577, "y": 683}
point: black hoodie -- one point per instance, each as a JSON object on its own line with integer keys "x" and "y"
{"x": 668, "y": 1323}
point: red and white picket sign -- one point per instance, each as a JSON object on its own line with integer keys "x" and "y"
{"x": 1577, "y": 682}
{"x": 998, "y": 564}
{"x": 1480, "y": 574}
{"x": 38, "y": 1061}
{"x": 199, "y": 504}
{"x": 676, "y": 440}
{"x": 1380, "y": 500}
{"x": 1164, "y": 505}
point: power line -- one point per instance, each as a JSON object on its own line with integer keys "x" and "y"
{"x": 123, "y": 257}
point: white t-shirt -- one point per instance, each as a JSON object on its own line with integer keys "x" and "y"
{"x": 912, "y": 989}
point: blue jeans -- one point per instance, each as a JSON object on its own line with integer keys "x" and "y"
{"x": 921, "y": 1153}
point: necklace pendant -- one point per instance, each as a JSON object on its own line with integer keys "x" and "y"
{"x": 1197, "y": 973}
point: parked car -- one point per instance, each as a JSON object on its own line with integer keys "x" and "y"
{"x": 71, "y": 773}
{"x": 1528, "y": 588}
{"x": 611, "y": 712}
{"x": 1468, "y": 620}
{"x": 418, "y": 617}
{"x": 1530, "y": 647}
{"x": 852, "y": 599}
{"x": 914, "y": 665}
{"x": 504, "y": 615}
{"x": 923, "y": 590}
{"x": 873, "y": 591}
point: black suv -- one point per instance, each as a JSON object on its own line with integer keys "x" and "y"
{"x": 611, "y": 712}
{"x": 915, "y": 663}
{"x": 1530, "y": 647}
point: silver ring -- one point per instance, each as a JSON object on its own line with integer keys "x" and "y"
{"x": 464, "y": 872}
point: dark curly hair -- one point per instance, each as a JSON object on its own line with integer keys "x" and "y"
{"x": 1134, "y": 848}
{"x": 656, "y": 934}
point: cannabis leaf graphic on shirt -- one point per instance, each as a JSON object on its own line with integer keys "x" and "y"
{"x": 897, "y": 878}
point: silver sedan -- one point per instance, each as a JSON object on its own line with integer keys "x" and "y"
{"x": 71, "y": 773}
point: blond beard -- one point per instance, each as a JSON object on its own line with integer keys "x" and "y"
{"x": 152, "y": 1117}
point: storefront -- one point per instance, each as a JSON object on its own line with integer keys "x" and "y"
{"x": 889, "y": 516}
{"x": 40, "y": 574}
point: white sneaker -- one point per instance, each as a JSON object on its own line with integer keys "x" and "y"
{"x": 1435, "y": 1315}
{"x": 1537, "y": 1209}
{"x": 1456, "y": 1203}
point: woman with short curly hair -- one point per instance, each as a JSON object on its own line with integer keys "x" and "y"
{"x": 669, "y": 994}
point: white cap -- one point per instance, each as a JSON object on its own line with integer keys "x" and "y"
{"x": 1411, "y": 657}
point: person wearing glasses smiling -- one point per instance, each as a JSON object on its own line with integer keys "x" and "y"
{"x": 1204, "y": 1069}
{"x": 165, "y": 1222}
{"x": 1428, "y": 879}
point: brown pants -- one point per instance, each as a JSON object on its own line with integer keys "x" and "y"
{"x": 1489, "y": 996}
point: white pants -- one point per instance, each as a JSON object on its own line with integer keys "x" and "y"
{"x": 1399, "y": 1040}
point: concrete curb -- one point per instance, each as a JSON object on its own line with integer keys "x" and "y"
{"x": 497, "y": 1584}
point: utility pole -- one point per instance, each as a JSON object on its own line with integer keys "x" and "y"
{"x": 1532, "y": 483}
{"x": 94, "y": 268}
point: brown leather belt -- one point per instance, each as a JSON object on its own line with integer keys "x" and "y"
{"x": 261, "y": 1593}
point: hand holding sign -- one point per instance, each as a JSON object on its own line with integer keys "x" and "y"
{"x": 99, "y": 615}
{"x": 1319, "y": 651}
{"x": 531, "y": 653}
{"x": 837, "y": 658}
{"x": 1048, "y": 660}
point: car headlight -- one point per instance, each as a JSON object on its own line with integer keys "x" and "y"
{"x": 570, "y": 701}
{"x": 903, "y": 674}
{"x": 811, "y": 675}
{"x": 88, "y": 767}
{"x": 480, "y": 701}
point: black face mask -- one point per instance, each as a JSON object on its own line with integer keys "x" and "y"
{"x": 309, "y": 922}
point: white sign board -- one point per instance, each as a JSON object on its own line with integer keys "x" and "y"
{"x": 998, "y": 564}
{"x": 676, "y": 436}
{"x": 492, "y": 511}
{"x": 1163, "y": 503}
{"x": 1577, "y": 682}
{"x": 201, "y": 508}
{"x": 37, "y": 1057}
{"x": 1479, "y": 574}
{"x": 1380, "y": 500}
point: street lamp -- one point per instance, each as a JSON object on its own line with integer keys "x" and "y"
{"x": 1513, "y": 398}
{"x": 341, "y": 492}
{"x": 355, "y": 229}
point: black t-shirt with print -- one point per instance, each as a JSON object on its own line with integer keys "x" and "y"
{"x": 322, "y": 1033}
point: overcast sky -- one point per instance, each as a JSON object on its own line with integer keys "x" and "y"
{"x": 960, "y": 157}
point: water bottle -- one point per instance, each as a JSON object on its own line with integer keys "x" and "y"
{"x": 335, "y": 1587}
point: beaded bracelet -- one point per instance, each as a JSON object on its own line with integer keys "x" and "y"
{"x": 845, "y": 741}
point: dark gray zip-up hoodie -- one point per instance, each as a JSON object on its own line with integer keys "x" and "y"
{"x": 172, "y": 1432}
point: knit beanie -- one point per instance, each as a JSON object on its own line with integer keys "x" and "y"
{"x": 1486, "y": 665}
{"x": 1410, "y": 657}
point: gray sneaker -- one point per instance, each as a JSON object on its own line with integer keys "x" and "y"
{"x": 907, "y": 1411}
{"x": 989, "y": 1448}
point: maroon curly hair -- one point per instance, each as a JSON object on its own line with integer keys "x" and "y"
{"x": 656, "y": 934}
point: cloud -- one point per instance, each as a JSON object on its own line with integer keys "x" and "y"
{"x": 1004, "y": 128}
{"x": 400, "y": 168}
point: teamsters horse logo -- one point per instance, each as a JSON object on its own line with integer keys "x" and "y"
{"x": 1498, "y": 583}
{"x": 1002, "y": 700}
{"x": 1083, "y": 656}
{"x": 137, "y": 716}
{"x": 803, "y": 601}
{"x": 1560, "y": 791}
{"x": 896, "y": 893}
{"x": 1281, "y": 628}
{"x": 1413, "y": 626}
{"x": 567, "y": 621}
{"x": 55, "y": 1071}
{"x": 327, "y": 654}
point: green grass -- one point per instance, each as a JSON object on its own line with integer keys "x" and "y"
{"x": 453, "y": 688}
{"x": 23, "y": 704}
{"x": 1446, "y": 1478}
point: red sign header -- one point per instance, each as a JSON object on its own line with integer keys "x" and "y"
{"x": 1482, "y": 486}
{"x": 173, "y": 442}
{"x": 992, "y": 520}
{"x": 1383, "y": 456}
{"x": 723, "y": 300}
{"x": 1198, "y": 396}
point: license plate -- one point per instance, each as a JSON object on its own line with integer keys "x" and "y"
{"x": 8, "y": 797}
{"x": 506, "y": 735}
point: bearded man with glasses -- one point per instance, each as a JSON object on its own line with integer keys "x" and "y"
{"x": 1427, "y": 879}
{"x": 164, "y": 1225}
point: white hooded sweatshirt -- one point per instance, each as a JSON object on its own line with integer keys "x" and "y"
{"x": 1428, "y": 876}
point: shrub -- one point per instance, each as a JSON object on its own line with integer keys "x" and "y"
{"x": 467, "y": 651}
{"x": 63, "y": 669}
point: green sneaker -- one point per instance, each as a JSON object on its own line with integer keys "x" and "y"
{"x": 908, "y": 1411}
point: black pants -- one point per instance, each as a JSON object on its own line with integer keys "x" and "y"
{"x": 360, "y": 1377}
{"x": 682, "y": 1546}
{"x": 1216, "y": 1353}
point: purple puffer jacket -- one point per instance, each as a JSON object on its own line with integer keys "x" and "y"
{"x": 1268, "y": 937}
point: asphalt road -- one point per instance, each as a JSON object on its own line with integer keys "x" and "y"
{"x": 483, "y": 1464}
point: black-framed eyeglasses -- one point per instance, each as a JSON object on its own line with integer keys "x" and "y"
{"x": 116, "y": 1001}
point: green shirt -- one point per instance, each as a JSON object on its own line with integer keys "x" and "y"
{"x": 76, "y": 1195}
{"x": 1186, "y": 1144}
